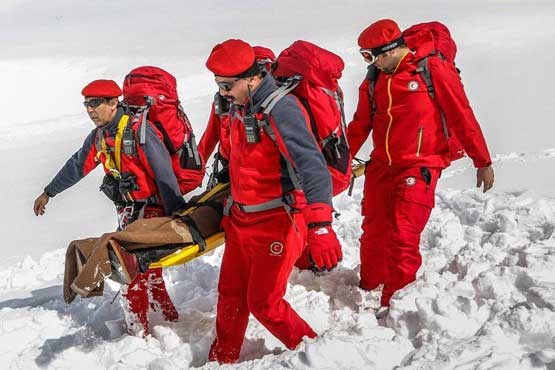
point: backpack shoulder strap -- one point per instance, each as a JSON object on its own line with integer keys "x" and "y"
{"x": 372, "y": 76}
{"x": 266, "y": 107}
{"x": 423, "y": 69}
{"x": 143, "y": 111}
{"x": 271, "y": 100}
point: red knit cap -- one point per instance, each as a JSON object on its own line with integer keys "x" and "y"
{"x": 102, "y": 88}
{"x": 379, "y": 34}
{"x": 232, "y": 58}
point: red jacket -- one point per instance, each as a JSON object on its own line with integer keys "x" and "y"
{"x": 217, "y": 131}
{"x": 258, "y": 171}
{"x": 150, "y": 163}
{"x": 407, "y": 129}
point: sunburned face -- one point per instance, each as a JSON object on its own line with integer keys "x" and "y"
{"x": 101, "y": 110}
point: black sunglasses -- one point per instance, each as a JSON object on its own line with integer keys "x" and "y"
{"x": 227, "y": 85}
{"x": 94, "y": 103}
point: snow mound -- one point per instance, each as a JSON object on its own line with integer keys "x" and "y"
{"x": 484, "y": 298}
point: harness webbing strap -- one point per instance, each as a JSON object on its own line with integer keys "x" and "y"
{"x": 119, "y": 135}
{"x": 113, "y": 165}
{"x": 284, "y": 201}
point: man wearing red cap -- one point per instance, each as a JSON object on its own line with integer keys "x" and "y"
{"x": 410, "y": 150}
{"x": 265, "y": 231}
{"x": 140, "y": 181}
{"x": 218, "y": 123}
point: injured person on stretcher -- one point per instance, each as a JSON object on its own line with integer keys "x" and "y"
{"x": 145, "y": 245}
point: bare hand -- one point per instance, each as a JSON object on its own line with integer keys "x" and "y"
{"x": 40, "y": 204}
{"x": 484, "y": 176}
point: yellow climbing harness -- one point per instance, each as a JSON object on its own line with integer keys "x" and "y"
{"x": 113, "y": 164}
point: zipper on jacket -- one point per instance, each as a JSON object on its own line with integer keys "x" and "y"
{"x": 390, "y": 119}
{"x": 419, "y": 144}
{"x": 390, "y": 77}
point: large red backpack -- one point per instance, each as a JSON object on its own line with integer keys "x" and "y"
{"x": 443, "y": 47}
{"x": 311, "y": 73}
{"x": 151, "y": 94}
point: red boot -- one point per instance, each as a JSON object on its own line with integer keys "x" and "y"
{"x": 135, "y": 306}
{"x": 158, "y": 295}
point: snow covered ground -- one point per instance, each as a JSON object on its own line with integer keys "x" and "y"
{"x": 485, "y": 295}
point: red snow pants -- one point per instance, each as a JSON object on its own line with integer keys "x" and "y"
{"x": 396, "y": 206}
{"x": 260, "y": 250}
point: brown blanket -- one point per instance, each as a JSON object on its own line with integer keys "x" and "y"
{"x": 88, "y": 263}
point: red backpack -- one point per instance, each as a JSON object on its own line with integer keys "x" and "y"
{"x": 416, "y": 37}
{"x": 151, "y": 93}
{"x": 311, "y": 74}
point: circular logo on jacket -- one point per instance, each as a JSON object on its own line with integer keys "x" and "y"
{"x": 413, "y": 85}
{"x": 410, "y": 181}
{"x": 276, "y": 248}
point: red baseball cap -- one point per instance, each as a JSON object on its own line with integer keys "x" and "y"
{"x": 232, "y": 58}
{"x": 381, "y": 36}
{"x": 102, "y": 88}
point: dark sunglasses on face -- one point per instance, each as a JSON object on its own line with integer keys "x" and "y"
{"x": 368, "y": 56}
{"x": 226, "y": 85}
{"x": 94, "y": 103}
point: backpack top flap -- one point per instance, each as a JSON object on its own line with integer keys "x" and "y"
{"x": 316, "y": 65}
{"x": 149, "y": 81}
{"x": 428, "y": 38}
{"x": 164, "y": 111}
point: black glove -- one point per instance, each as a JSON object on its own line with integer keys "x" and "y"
{"x": 223, "y": 174}
{"x": 110, "y": 188}
{"x": 127, "y": 183}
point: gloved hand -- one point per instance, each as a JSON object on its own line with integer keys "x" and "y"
{"x": 110, "y": 187}
{"x": 323, "y": 247}
{"x": 223, "y": 174}
{"x": 127, "y": 183}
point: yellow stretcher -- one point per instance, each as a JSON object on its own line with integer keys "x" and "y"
{"x": 191, "y": 252}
